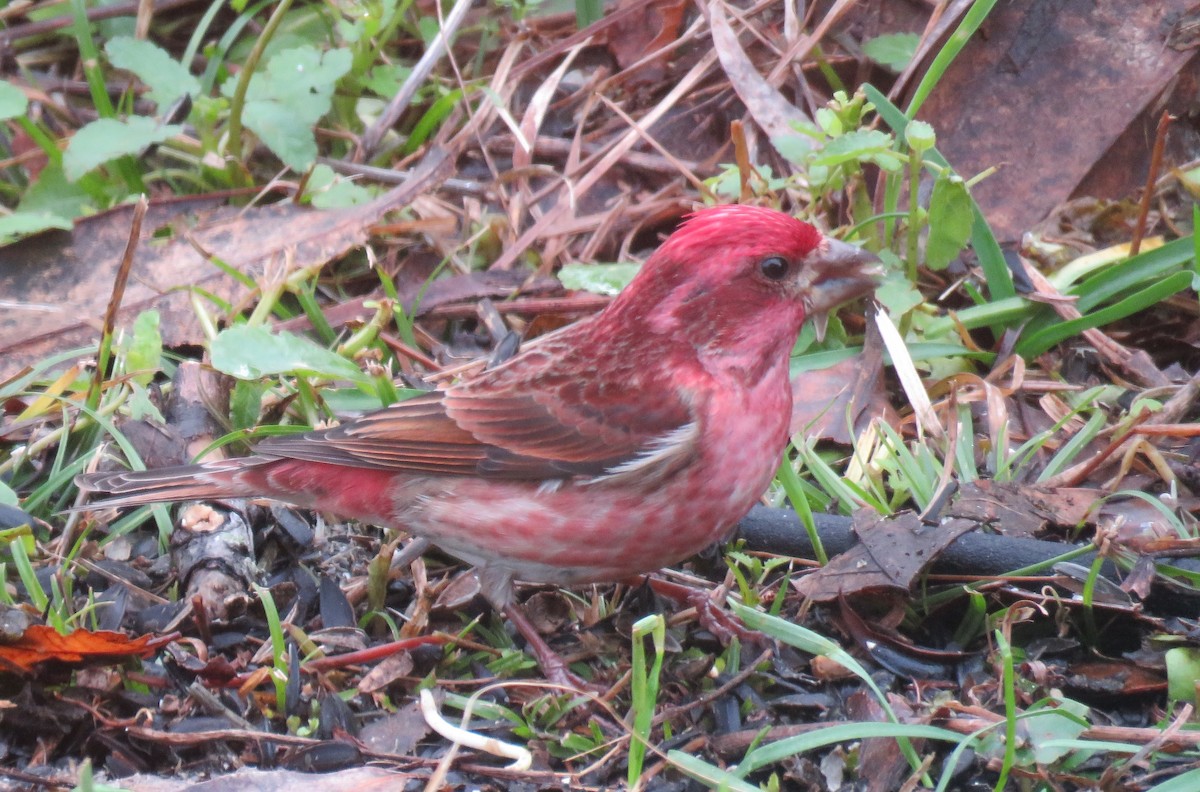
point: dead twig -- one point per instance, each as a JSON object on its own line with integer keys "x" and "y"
{"x": 1156, "y": 155}
{"x": 416, "y": 78}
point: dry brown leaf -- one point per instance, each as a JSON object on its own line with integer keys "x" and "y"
{"x": 41, "y": 644}
{"x": 890, "y": 554}
{"x": 770, "y": 110}
{"x": 1065, "y": 82}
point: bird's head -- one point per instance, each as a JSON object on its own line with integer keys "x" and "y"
{"x": 742, "y": 280}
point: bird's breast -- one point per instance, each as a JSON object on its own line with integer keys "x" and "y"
{"x": 746, "y": 431}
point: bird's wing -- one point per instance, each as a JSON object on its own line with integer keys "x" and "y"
{"x": 414, "y": 435}
{"x": 525, "y": 422}
{"x": 557, "y": 424}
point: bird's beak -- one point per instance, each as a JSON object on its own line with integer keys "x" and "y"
{"x": 837, "y": 273}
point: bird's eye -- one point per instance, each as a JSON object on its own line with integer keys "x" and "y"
{"x": 774, "y": 267}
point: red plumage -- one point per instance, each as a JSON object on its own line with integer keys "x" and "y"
{"x": 624, "y": 443}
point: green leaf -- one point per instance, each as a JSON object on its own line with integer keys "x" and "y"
{"x": 862, "y": 145}
{"x": 7, "y": 496}
{"x": 919, "y": 352}
{"x": 253, "y": 352}
{"x": 789, "y": 747}
{"x": 431, "y": 120}
{"x": 349, "y": 400}
{"x": 166, "y": 77}
{"x": 970, "y": 23}
{"x": 587, "y": 12}
{"x": 13, "y": 102}
{"x": 286, "y": 99}
{"x": 341, "y": 194}
{"x": 1032, "y": 344}
{"x": 428, "y": 28}
{"x": 385, "y": 79}
{"x": 302, "y": 78}
{"x": 829, "y": 122}
{"x": 106, "y": 139}
{"x": 143, "y": 348}
{"x": 140, "y": 406}
{"x": 951, "y": 219}
{"x": 245, "y": 403}
{"x": 991, "y": 258}
{"x": 1181, "y": 783}
{"x": 793, "y": 146}
{"x": 23, "y": 224}
{"x": 1183, "y": 672}
{"x": 1145, "y": 268}
{"x": 326, "y": 189}
{"x": 708, "y": 774}
{"x": 727, "y": 183}
{"x": 1053, "y": 721}
{"x": 892, "y": 50}
{"x": 598, "y": 278}
{"x": 53, "y": 194}
{"x": 898, "y": 295}
{"x": 283, "y": 132}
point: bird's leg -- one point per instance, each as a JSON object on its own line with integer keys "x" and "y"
{"x": 553, "y": 665}
{"x": 411, "y": 552}
{"x": 498, "y": 590}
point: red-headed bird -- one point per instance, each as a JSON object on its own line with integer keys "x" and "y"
{"x": 626, "y": 442}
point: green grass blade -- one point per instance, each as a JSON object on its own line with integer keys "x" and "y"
{"x": 1186, "y": 782}
{"x": 1141, "y": 269}
{"x": 814, "y": 643}
{"x": 845, "y": 732}
{"x": 1037, "y": 343}
{"x": 949, "y": 51}
{"x": 711, "y": 775}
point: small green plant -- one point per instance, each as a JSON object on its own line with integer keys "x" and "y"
{"x": 87, "y": 781}
{"x": 751, "y": 573}
{"x": 279, "y": 652}
{"x": 307, "y": 65}
{"x": 645, "y": 681}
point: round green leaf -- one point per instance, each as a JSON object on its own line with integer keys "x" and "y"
{"x": 598, "y": 278}
{"x": 254, "y": 352}
{"x": 167, "y": 78}
{"x": 13, "y": 102}
{"x": 892, "y": 50}
{"x": 23, "y": 224}
{"x": 108, "y": 138}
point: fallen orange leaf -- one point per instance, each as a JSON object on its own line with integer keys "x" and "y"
{"x": 39, "y": 644}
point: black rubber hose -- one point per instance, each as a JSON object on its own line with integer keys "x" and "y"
{"x": 974, "y": 554}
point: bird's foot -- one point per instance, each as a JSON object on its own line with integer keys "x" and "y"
{"x": 711, "y": 615}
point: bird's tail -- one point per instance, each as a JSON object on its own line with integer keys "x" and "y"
{"x": 227, "y": 478}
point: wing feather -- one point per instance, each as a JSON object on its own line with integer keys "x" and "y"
{"x": 522, "y": 420}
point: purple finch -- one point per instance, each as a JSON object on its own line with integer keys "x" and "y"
{"x": 624, "y": 443}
